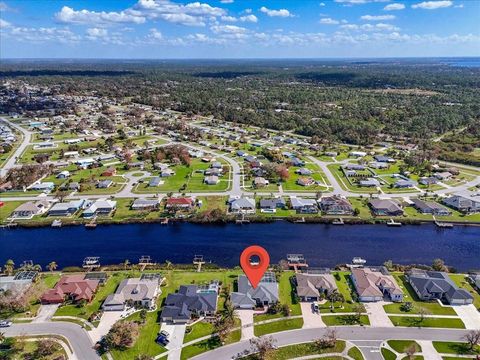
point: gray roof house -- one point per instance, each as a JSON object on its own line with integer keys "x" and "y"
{"x": 374, "y": 283}
{"x": 430, "y": 207}
{"x": 137, "y": 291}
{"x": 474, "y": 280}
{"x": 145, "y": 204}
{"x": 311, "y": 287}
{"x": 304, "y": 206}
{"x": 100, "y": 207}
{"x": 189, "y": 300}
{"x": 30, "y": 209}
{"x": 335, "y": 205}
{"x": 266, "y": 293}
{"x": 65, "y": 209}
{"x": 274, "y": 203}
{"x": 243, "y": 205}
{"x": 463, "y": 203}
{"x": 436, "y": 285}
{"x": 370, "y": 182}
{"x": 385, "y": 207}
{"x": 155, "y": 181}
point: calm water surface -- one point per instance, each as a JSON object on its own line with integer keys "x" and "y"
{"x": 323, "y": 245}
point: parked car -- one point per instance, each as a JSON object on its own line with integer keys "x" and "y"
{"x": 164, "y": 333}
{"x": 5, "y": 323}
{"x": 162, "y": 340}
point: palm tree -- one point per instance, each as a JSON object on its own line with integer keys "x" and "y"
{"x": 37, "y": 267}
{"x": 2, "y": 337}
{"x": 125, "y": 264}
{"x": 9, "y": 267}
{"x": 229, "y": 313}
{"x": 52, "y": 266}
{"x": 168, "y": 264}
{"x": 334, "y": 297}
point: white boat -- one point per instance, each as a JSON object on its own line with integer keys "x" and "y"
{"x": 392, "y": 222}
{"x": 57, "y": 223}
{"x": 358, "y": 261}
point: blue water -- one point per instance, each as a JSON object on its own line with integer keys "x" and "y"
{"x": 472, "y": 64}
{"x": 322, "y": 245}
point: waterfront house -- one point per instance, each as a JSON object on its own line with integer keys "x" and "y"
{"x": 385, "y": 207}
{"x": 274, "y": 203}
{"x": 71, "y": 287}
{"x": 101, "y": 207}
{"x": 375, "y": 283}
{"x": 474, "y": 279}
{"x": 243, "y": 206}
{"x": 179, "y": 203}
{"x": 30, "y": 209}
{"x": 19, "y": 283}
{"x": 265, "y": 294}
{"x": 430, "y": 207}
{"x": 303, "y": 206}
{"x": 145, "y": 204}
{"x": 437, "y": 285}
{"x": 335, "y": 205}
{"x": 463, "y": 203}
{"x": 65, "y": 208}
{"x": 314, "y": 287}
{"x": 189, "y": 300}
{"x": 137, "y": 292}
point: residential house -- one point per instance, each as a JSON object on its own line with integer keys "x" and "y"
{"x": 375, "y": 283}
{"x": 384, "y": 159}
{"x": 354, "y": 167}
{"x": 436, "y": 285}
{"x": 145, "y": 204}
{"x": 259, "y": 182}
{"x": 297, "y": 162}
{"x": 265, "y": 294}
{"x": 370, "y": 182}
{"x": 474, "y": 280}
{"x": 243, "y": 206}
{"x": 444, "y": 175}
{"x": 30, "y": 209}
{"x": 335, "y": 205}
{"x": 45, "y": 187}
{"x": 404, "y": 184}
{"x": 357, "y": 154}
{"x": 63, "y": 174}
{"x": 428, "y": 180}
{"x": 304, "y": 206}
{"x": 65, "y": 208}
{"x": 18, "y": 283}
{"x": 71, "y": 287}
{"x": 179, "y": 203}
{"x": 155, "y": 181}
{"x": 378, "y": 165}
{"x": 303, "y": 171}
{"x": 111, "y": 171}
{"x": 211, "y": 180}
{"x": 430, "y": 207}
{"x": 104, "y": 184}
{"x": 465, "y": 204}
{"x": 385, "y": 207}
{"x": 314, "y": 287}
{"x": 189, "y": 300}
{"x": 274, "y": 203}
{"x": 305, "y": 181}
{"x": 100, "y": 207}
{"x": 137, "y": 292}
{"x": 167, "y": 172}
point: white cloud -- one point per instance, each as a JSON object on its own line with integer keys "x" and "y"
{"x": 377, "y": 17}
{"x": 40, "y": 35}
{"x": 226, "y": 1}
{"x": 394, "y": 6}
{"x": 329, "y": 21}
{"x": 97, "y": 32}
{"x": 249, "y": 18}
{"x": 247, "y": 11}
{"x": 322, "y": 4}
{"x": 370, "y": 27}
{"x": 155, "y": 34}
{"x": 228, "y": 29}
{"x": 4, "y": 24}
{"x": 229, "y": 18}
{"x": 71, "y": 16}
{"x": 279, "y": 13}
{"x": 359, "y": 2}
{"x": 432, "y": 5}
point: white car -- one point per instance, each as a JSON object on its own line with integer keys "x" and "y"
{"x": 5, "y": 323}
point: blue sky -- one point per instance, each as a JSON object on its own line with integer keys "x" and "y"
{"x": 238, "y": 28}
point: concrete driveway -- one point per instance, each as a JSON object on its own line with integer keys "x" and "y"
{"x": 246, "y": 319}
{"x": 377, "y": 315}
{"x": 177, "y": 333}
{"x": 310, "y": 318}
{"x": 45, "y": 313}
{"x": 106, "y": 322}
{"x": 469, "y": 315}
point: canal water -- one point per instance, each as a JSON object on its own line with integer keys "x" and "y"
{"x": 322, "y": 245}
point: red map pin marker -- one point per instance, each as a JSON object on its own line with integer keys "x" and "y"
{"x": 254, "y": 271}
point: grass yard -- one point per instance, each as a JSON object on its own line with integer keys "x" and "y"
{"x": 401, "y": 345}
{"x": 342, "y": 280}
{"x": 355, "y": 353}
{"x": 457, "y": 348}
{"x": 304, "y": 349}
{"x": 410, "y": 321}
{"x": 192, "y": 350}
{"x": 29, "y": 349}
{"x": 277, "y": 326}
{"x": 198, "y": 330}
{"x": 388, "y": 355}
{"x": 317, "y": 175}
{"x": 339, "y": 320}
{"x": 7, "y": 208}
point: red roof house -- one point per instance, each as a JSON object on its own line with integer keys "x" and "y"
{"x": 73, "y": 287}
{"x": 179, "y": 203}
{"x": 111, "y": 171}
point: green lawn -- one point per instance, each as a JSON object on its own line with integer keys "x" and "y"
{"x": 427, "y": 322}
{"x": 276, "y": 326}
{"x": 192, "y": 350}
{"x": 401, "y": 345}
{"x": 355, "y": 353}
{"x": 317, "y": 174}
{"x": 198, "y": 330}
{"x": 7, "y": 208}
{"x": 305, "y": 349}
{"x": 339, "y": 320}
{"x": 388, "y": 355}
{"x": 457, "y": 348}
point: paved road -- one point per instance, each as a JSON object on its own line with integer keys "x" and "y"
{"x": 354, "y": 334}
{"x": 27, "y": 136}
{"x": 78, "y": 337}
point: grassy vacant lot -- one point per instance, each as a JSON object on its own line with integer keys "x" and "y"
{"x": 457, "y": 348}
{"x": 86, "y": 311}
{"x": 29, "y": 349}
{"x": 286, "y": 296}
{"x": 276, "y": 326}
{"x": 462, "y": 282}
{"x": 338, "y": 320}
{"x": 305, "y": 349}
{"x": 192, "y": 350}
{"x": 427, "y": 322}
{"x": 317, "y": 174}
{"x": 409, "y": 295}
{"x": 400, "y": 345}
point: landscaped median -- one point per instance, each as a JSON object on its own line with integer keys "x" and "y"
{"x": 277, "y": 325}
{"x": 346, "y": 320}
{"x": 435, "y": 322}
{"x": 455, "y": 348}
{"x": 209, "y": 344}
